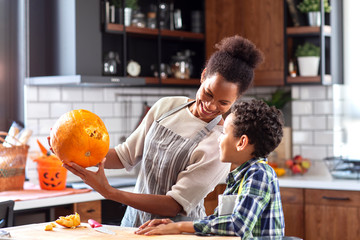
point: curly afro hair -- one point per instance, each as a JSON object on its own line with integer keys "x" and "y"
{"x": 235, "y": 60}
{"x": 262, "y": 124}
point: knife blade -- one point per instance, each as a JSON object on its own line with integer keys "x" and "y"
{"x": 98, "y": 227}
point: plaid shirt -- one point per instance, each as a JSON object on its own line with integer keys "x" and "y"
{"x": 258, "y": 209}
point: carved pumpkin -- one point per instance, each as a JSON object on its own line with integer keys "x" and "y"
{"x": 80, "y": 136}
{"x": 52, "y": 176}
{"x": 70, "y": 221}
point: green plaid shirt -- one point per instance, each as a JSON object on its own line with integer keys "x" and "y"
{"x": 258, "y": 209}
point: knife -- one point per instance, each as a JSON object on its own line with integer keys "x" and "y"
{"x": 98, "y": 227}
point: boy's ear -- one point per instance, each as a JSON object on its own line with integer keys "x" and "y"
{"x": 242, "y": 143}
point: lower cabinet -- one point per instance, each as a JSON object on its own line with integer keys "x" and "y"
{"x": 89, "y": 210}
{"x": 313, "y": 214}
{"x": 211, "y": 200}
{"x": 86, "y": 210}
{"x": 332, "y": 214}
{"x": 293, "y": 207}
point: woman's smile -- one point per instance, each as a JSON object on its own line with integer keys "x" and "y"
{"x": 205, "y": 111}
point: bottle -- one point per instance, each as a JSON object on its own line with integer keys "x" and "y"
{"x": 151, "y": 20}
{"x": 292, "y": 70}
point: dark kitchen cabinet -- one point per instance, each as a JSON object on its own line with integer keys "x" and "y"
{"x": 261, "y": 21}
{"x": 151, "y": 47}
{"x": 327, "y": 36}
{"x": 71, "y": 38}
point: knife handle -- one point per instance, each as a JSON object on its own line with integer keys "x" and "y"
{"x": 93, "y": 223}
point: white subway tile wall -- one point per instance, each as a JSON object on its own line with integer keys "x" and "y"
{"x": 121, "y": 109}
{"x": 312, "y": 121}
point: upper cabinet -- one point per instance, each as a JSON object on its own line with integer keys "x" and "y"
{"x": 161, "y": 41}
{"x": 261, "y": 21}
{"x": 313, "y": 42}
{"x": 278, "y": 28}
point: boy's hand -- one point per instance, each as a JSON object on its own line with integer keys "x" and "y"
{"x": 160, "y": 229}
{"x": 154, "y": 223}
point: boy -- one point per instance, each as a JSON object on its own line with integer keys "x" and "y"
{"x": 250, "y": 205}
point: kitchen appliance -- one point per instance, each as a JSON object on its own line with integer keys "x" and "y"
{"x": 343, "y": 168}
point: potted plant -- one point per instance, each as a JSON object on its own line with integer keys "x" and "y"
{"x": 130, "y": 7}
{"x": 312, "y": 9}
{"x": 308, "y": 57}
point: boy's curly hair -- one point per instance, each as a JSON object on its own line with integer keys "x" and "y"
{"x": 235, "y": 60}
{"x": 262, "y": 124}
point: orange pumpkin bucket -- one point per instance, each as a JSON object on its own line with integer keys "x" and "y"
{"x": 52, "y": 176}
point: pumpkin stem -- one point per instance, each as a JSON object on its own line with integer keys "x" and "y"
{"x": 87, "y": 154}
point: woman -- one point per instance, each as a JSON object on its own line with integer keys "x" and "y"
{"x": 176, "y": 143}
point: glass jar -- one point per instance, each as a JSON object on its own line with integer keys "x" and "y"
{"x": 138, "y": 20}
{"x": 181, "y": 65}
{"x": 111, "y": 62}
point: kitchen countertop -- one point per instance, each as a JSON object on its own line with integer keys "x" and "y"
{"x": 62, "y": 200}
{"x": 319, "y": 177}
{"x": 86, "y": 232}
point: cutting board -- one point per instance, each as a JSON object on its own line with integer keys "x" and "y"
{"x": 36, "y": 231}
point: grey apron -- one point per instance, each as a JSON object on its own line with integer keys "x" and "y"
{"x": 165, "y": 155}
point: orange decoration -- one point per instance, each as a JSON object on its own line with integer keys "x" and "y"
{"x": 80, "y": 136}
{"x": 52, "y": 176}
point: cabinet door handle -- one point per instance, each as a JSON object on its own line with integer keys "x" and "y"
{"x": 90, "y": 210}
{"x": 336, "y": 198}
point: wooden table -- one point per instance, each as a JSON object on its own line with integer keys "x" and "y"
{"x": 84, "y": 231}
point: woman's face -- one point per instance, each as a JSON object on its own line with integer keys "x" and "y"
{"x": 214, "y": 97}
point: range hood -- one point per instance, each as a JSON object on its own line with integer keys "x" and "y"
{"x": 84, "y": 81}
{"x": 65, "y": 45}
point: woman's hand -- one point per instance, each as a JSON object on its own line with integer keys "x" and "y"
{"x": 97, "y": 180}
{"x": 168, "y": 227}
{"x": 48, "y": 139}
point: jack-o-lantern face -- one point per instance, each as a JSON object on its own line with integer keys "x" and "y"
{"x": 52, "y": 176}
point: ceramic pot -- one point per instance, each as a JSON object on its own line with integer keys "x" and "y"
{"x": 314, "y": 19}
{"x": 308, "y": 66}
{"x": 127, "y": 16}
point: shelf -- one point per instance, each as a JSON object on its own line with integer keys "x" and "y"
{"x": 119, "y": 28}
{"x": 307, "y": 30}
{"x": 315, "y": 79}
{"x": 172, "y": 81}
{"x": 182, "y": 34}
{"x": 177, "y": 81}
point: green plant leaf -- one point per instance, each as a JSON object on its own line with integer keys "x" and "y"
{"x": 279, "y": 98}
